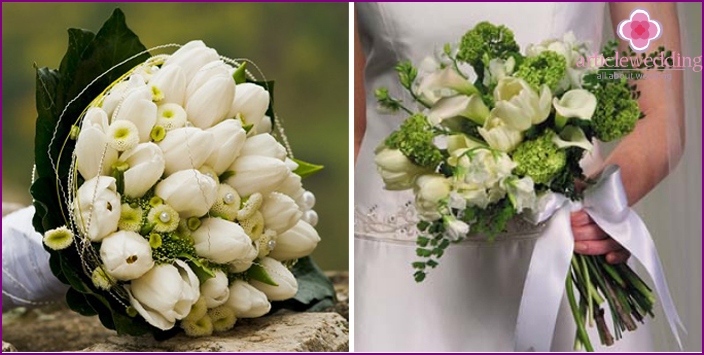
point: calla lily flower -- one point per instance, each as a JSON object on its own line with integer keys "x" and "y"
{"x": 578, "y": 103}
{"x": 572, "y": 136}
{"x": 471, "y": 107}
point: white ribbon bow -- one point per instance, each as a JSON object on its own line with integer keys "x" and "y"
{"x": 607, "y": 205}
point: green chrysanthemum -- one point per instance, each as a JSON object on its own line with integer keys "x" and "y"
{"x": 130, "y": 218}
{"x": 227, "y": 204}
{"x": 164, "y": 218}
{"x": 540, "y": 159}
{"x": 59, "y": 238}
{"x": 547, "y": 68}
{"x": 102, "y": 279}
{"x": 198, "y": 328}
{"x": 223, "y": 318}
{"x": 250, "y": 205}
{"x": 254, "y": 225}
{"x": 617, "y": 113}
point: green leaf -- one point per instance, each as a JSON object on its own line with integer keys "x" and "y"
{"x": 423, "y": 253}
{"x": 422, "y": 241}
{"x": 240, "y": 74}
{"x": 418, "y": 265}
{"x": 202, "y": 271}
{"x": 306, "y": 169}
{"x": 77, "y": 302}
{"x": 432, "y": 263}
{"x": 419, "y": 276}
{"x": 257, "y": 272}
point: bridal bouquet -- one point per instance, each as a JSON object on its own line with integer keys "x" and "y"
{"x": 165, "y": 201}
{"x": 478, "y": 153}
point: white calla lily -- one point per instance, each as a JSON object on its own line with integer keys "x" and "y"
{"x": 191, "y": 57}
{"x": 186, "y": 148}
{"x": 280, "y": 212}
{"x": 146, "y": 165}
{"x": 572, "y": 136}
{"x": 446, "y": 78}
{"x": 247, "y": 301}
{"x": 296, "y": 242}
{"x": 215, "y": 290}
{"x": 221, "y": 241}
{"x": 139, "y": 109}
{"x": 578, "y": 103}
{"x": 126, "y": 255}
{"x": 264, "y": 145}
{"x": 93, "y": 154}
{"x": 397, "y": 171}
{"x": 250, "y": 104}
{"x": 518, "y": 106}
{"x": 165, "y": 294}
{"x": 500, "y": 136}
{"x": 230, "y": 138}
{"x": 189, "y": 192}
{"x": 471, "y": 107}
{"x": 287, "y": 286}
{"x": 168, "y": 85}
{"x": 210, "y": 103}
{"x": 97, "y": 207}
{"x": 257, "y": 174}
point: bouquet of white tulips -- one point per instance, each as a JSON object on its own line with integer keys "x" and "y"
{"x": 164, "y": 198}
{"x": 479, "y": 152}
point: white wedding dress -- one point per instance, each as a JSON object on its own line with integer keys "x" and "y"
{"x": 470, "y": 302}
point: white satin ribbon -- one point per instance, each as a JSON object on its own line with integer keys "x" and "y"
{"x": 544, "y": 287}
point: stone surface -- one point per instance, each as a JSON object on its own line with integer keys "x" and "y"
{"x": 7, "y": 347}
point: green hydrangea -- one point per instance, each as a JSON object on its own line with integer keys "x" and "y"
{"x": 547, "y": 68}
{"x": 540, "y": 159}
{"x": 171, "y": 247}
{"x": 486, "y": 39}
{"x": 616, "y": 113}
{"x": 415, "y": 140}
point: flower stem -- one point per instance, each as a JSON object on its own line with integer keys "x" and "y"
{"x": 581, "y": 331}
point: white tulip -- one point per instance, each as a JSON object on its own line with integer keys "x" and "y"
{"x": 264, "y": 126}
{"x": 287, "y": 284}
{"x": 207, "y": 72}
{"x": 397, "y": 171}
{"x": 521, "y": 192}
{"x": 247, "y": 301}
{"x": 221, "y": 241}
{"x": 191, "y": 57}
{"x": 296, "y": 242}
{"x": 497, "y": 70}
{"x": 214, "y": 290}
{"x": 97, "y": 207}
{"x": 446, "y": 78}
{"x": 119, "y": 92}
{"x": 186, "y": 148}
{"x": 264, "y": 145}
{"x": 471, "y": 107}
{"x": 139, "y": 109}
{"x": 189, "y": 192}
{"x": 126, "y": 255}
{"x": 280, "y": 212}
{"x": 578, "y": 103}
{"x": 168, "y": 85}
{"x": 146, "y": 165}
{"x": 500, "y": 136}
{"x": 572, "y": 136}
{"x": 93, "y": 155}
{"x": 230, "y": 138}
{"x": 454, "y": 228}
{"x": 211, "y": 102}
{"x": 250, "y": 103}
{"x": 165, "y": 294}
{"x": 518, "y": 105}
{"x": 257, "y": 174}
{"x": 293, "y": 187}
{"x": 430, "y": 191}
{"x": 244, "y": 263}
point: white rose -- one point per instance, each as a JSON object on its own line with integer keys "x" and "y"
{"x": 280, "y": 212}
{"x": 257, "y": 174}
{"x": 518, "y": 105}
{"x": 215, "y": 290}
{"x": 97, "y": 207}
{"x": 230, "y": 138}
{"x": 250, "y": 103}
{"x": 210, "y": 103}
{"x": 93, "y": 155}
{"x": 264, "y": 145}
{"x": 186, "y": 148}
{"x": 287, "y": 284}
{"x": 146, "y": 165}
{"x": 168, "y": 85}
{"x": 221, "y": 241}
{"x": 296, "y": 242}
{"x": 247, "y": 301}
{"x": 189, "y": 192}
{"x": 191, "y": 57}
{"x": 397, "y": 171}
{"x": 126, "y": 255}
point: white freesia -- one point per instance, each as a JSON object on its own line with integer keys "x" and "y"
{"x": 500, "y": 136}
{"x": 139, "y": 109}
{"x": 397, "y": 171}
{"x": 578, "y": 103}
{"x": 210, "y": 103}
{"x": 430, "y": 190}
{"x": 247, "y": 301}
{"x": 126, "y": 255}
{"x": 280, "y": 212}
{"x": 498, "y": 69}
{"x": 165, "y": 294}
{"x": 257, "y": 174}
{"x": 93, "y": 155}
{"x": 189, "y": 192}
{"x": 518, "y": 105}
{"x": 215, "y": 290}
{"x": 572, "y": 136}
{"x": 221, "y": 241}
{"x": 191, "y": 57}
{"x": 250, "y": 104}
{"x": 264, "y": 145}
{"x": 287, "y": 284}
{"x": 168, "y": 85}
{"x": 230, "y": 139}
{"x": 207, "y": 72}
{"x": 296, "y": 242}
{"x": 186, "y": 148}
{"x": 146, "y": 165}
{"x": 97, "y": 207}
{"x": 447, "y": 78}
{"x": 471, "y": 107}
{"x": 454, "y": 228}
{"x": 521, "y": 192}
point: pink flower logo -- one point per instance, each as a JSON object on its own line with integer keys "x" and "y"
{"x": 639, "y": 30}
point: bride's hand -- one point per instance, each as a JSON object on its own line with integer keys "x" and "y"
{"x": 590, "y": 239}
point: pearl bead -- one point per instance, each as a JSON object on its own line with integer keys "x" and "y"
{"x": 308, "y": 200}
{"x": 271, "y": 244}
{"x": 164, "y": 217}
{"x": 229, "y": 198}
{"x": 311, "y": 217}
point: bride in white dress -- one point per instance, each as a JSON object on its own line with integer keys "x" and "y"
{"x": 470, "y": 302}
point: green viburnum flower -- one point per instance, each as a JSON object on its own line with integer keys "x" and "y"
{"x": 540, "y": 159}
{"x": 415, "y": 140}
{"x": 130, "y": 218}
{"x": 617, "y": 112}
{"x": 164, "y": 218}
{"x": 59, "y": 238}
{"x": 547, "y": 68}
{"x": 488, "y": 41}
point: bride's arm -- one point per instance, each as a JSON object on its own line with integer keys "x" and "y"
{"x": 656, "y": 145}
{"x": 360, "y": 110}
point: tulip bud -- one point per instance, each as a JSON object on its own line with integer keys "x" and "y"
{"x": 119, "y": 92}
{"x": 205, "y": 73}
{"x": 97, "y": 207}
{"x": 250, "y": 103}
{"x": 168, "y": 85}
{"x": 264, "y": 145}
{"x": 214, "y": 290}
{"x": 230, "y": 138}
{"x": 296, "y": 242}
{"x": 139, "y": 109}
{"x": 189, "y": 192}
{"x": 191, "y": 57}
{"x": 244, "y": 263}
{"x": 430, "y": 190}
{"x": 257, "y": 174}
{"x": 292, "y": 187}
{"x": 247, "y": 301}
{"x": 165, "y": 294}
{"x": 126, "y": 255}
{"x": 146, "y": 165}
{"x": 186, "y": 148}
{"x": 210, "y": 103}
{"x": 221, "y": 241}
{"x": 280, "y": 212}
{"x": 264, "y": 126}
{"x": 397, "y": 171}
{"x": 287, "y": 284}
{"x": 93, "y": 155}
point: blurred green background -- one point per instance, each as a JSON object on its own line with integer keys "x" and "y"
{"x": 303, "y": 47}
